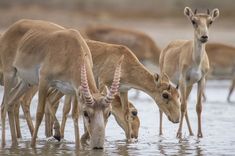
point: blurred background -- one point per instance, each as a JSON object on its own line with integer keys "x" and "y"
{"x": 151, "y": 16}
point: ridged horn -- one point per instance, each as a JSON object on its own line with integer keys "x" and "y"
{"x": 195, "y": 11}
{"x": 85, "y": 88}
{"x": 115, "y": 84}
{"x": 208, "y": 11}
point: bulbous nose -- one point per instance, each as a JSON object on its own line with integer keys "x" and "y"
{"x": 204, "y": 37}
{"x": 133, "y": 136}
{"x": 98, "y": 148}
{"x": 177, "y": 120}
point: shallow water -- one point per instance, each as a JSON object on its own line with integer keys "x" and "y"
{"x": 218, "y": 130}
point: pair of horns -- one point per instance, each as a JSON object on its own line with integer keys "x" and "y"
{"x": 208, "y": 11}
{"x": 113, "y": 89}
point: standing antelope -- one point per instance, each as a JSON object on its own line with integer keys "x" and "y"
{"x": 223, "y": 56}
{"x": 186, "y": 63}
{"x": 41, "y": 53}
{"x": 139, "y": 43}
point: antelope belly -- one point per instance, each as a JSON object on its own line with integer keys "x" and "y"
{"x": 31, "y": 76}
{"x": 62, "y": 86}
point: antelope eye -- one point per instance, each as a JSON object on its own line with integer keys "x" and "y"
{"x": 109, "y": 114}
{"x": 193, "y": 22}
{"x": 134, "y": 113}
{"x": 165, "y": 96}
{"x": 210, "y": 22}
{"x": 85, "y": 113}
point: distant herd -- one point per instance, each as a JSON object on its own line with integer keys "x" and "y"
{"x": 95, "y": 68}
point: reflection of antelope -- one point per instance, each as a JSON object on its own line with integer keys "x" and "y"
{"x": 45, "y": 54}
{"x": 139, "y": 43}
{"x": 222, "y": 56}
{"x": 186, "y": 63}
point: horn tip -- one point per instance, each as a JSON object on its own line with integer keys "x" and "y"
{"x": 121, "y": 59}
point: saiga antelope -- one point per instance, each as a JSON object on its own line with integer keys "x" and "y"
{"x": 48, "y": 55}
{"x": 186, "y": 63}
{"x": 133, "y": 73}
{"x": 139, "y": 43}
{"x": 223, "y": 56}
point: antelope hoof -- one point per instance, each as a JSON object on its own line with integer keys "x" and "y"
{"x": 14, "y": 144}
{"x": 199, "y": 135}
{"x": 179, "y": 135}
{"x": 57, "y": 137}
{"x": 229, "y": 101}
{"x": 32, "y": 144}
{"x": 191, "y": 134}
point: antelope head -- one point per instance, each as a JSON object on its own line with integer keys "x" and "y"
{"x": 169, "y": 100}
{"x": 97, "y": 107}
{"x": 201, "y": 22}
{"x": 121, "y": 117}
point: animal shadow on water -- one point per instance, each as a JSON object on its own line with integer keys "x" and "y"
{"x": 185, "y": 145}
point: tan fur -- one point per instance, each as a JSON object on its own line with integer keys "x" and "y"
{"x": 139, "y": 43}
{"x": 31, "y": 47}
{"x": 222, "y": 56}
{"x": 186, "y": 63}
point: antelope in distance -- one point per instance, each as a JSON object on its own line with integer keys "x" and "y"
{"x": 222, "y": 56}
{"x": 138, "y": 42}
{"x": 35, "y": 52}
{"x": 186, "y": 63}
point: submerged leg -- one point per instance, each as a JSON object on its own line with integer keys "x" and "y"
{"x": 231, "y": 90}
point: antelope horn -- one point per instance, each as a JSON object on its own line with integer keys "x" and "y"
{"x": 115, "y": 84}
{"x": 177, "y": 86}
{"x": 195, "y": 11}
{"x": 208, "y": 11}
{"x": 85, "y": 88}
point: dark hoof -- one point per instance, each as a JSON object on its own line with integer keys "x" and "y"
{"x": 200, "y": 135}
{"x": 57, "y": 137}
{"x": 179, "y": 135}
{"x": 98, "y": 148}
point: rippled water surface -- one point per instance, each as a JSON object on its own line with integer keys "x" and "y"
{"x": 218, "y": 129}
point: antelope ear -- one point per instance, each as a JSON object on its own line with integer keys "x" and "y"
{"x": 188, "y": 12}
{"x": 105, "y": 91}
{"x": 165, "y": 78}
{"x": 156, "y": 78}
{"x": 80, "y": 95}
{"x": 215, "y": 14}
